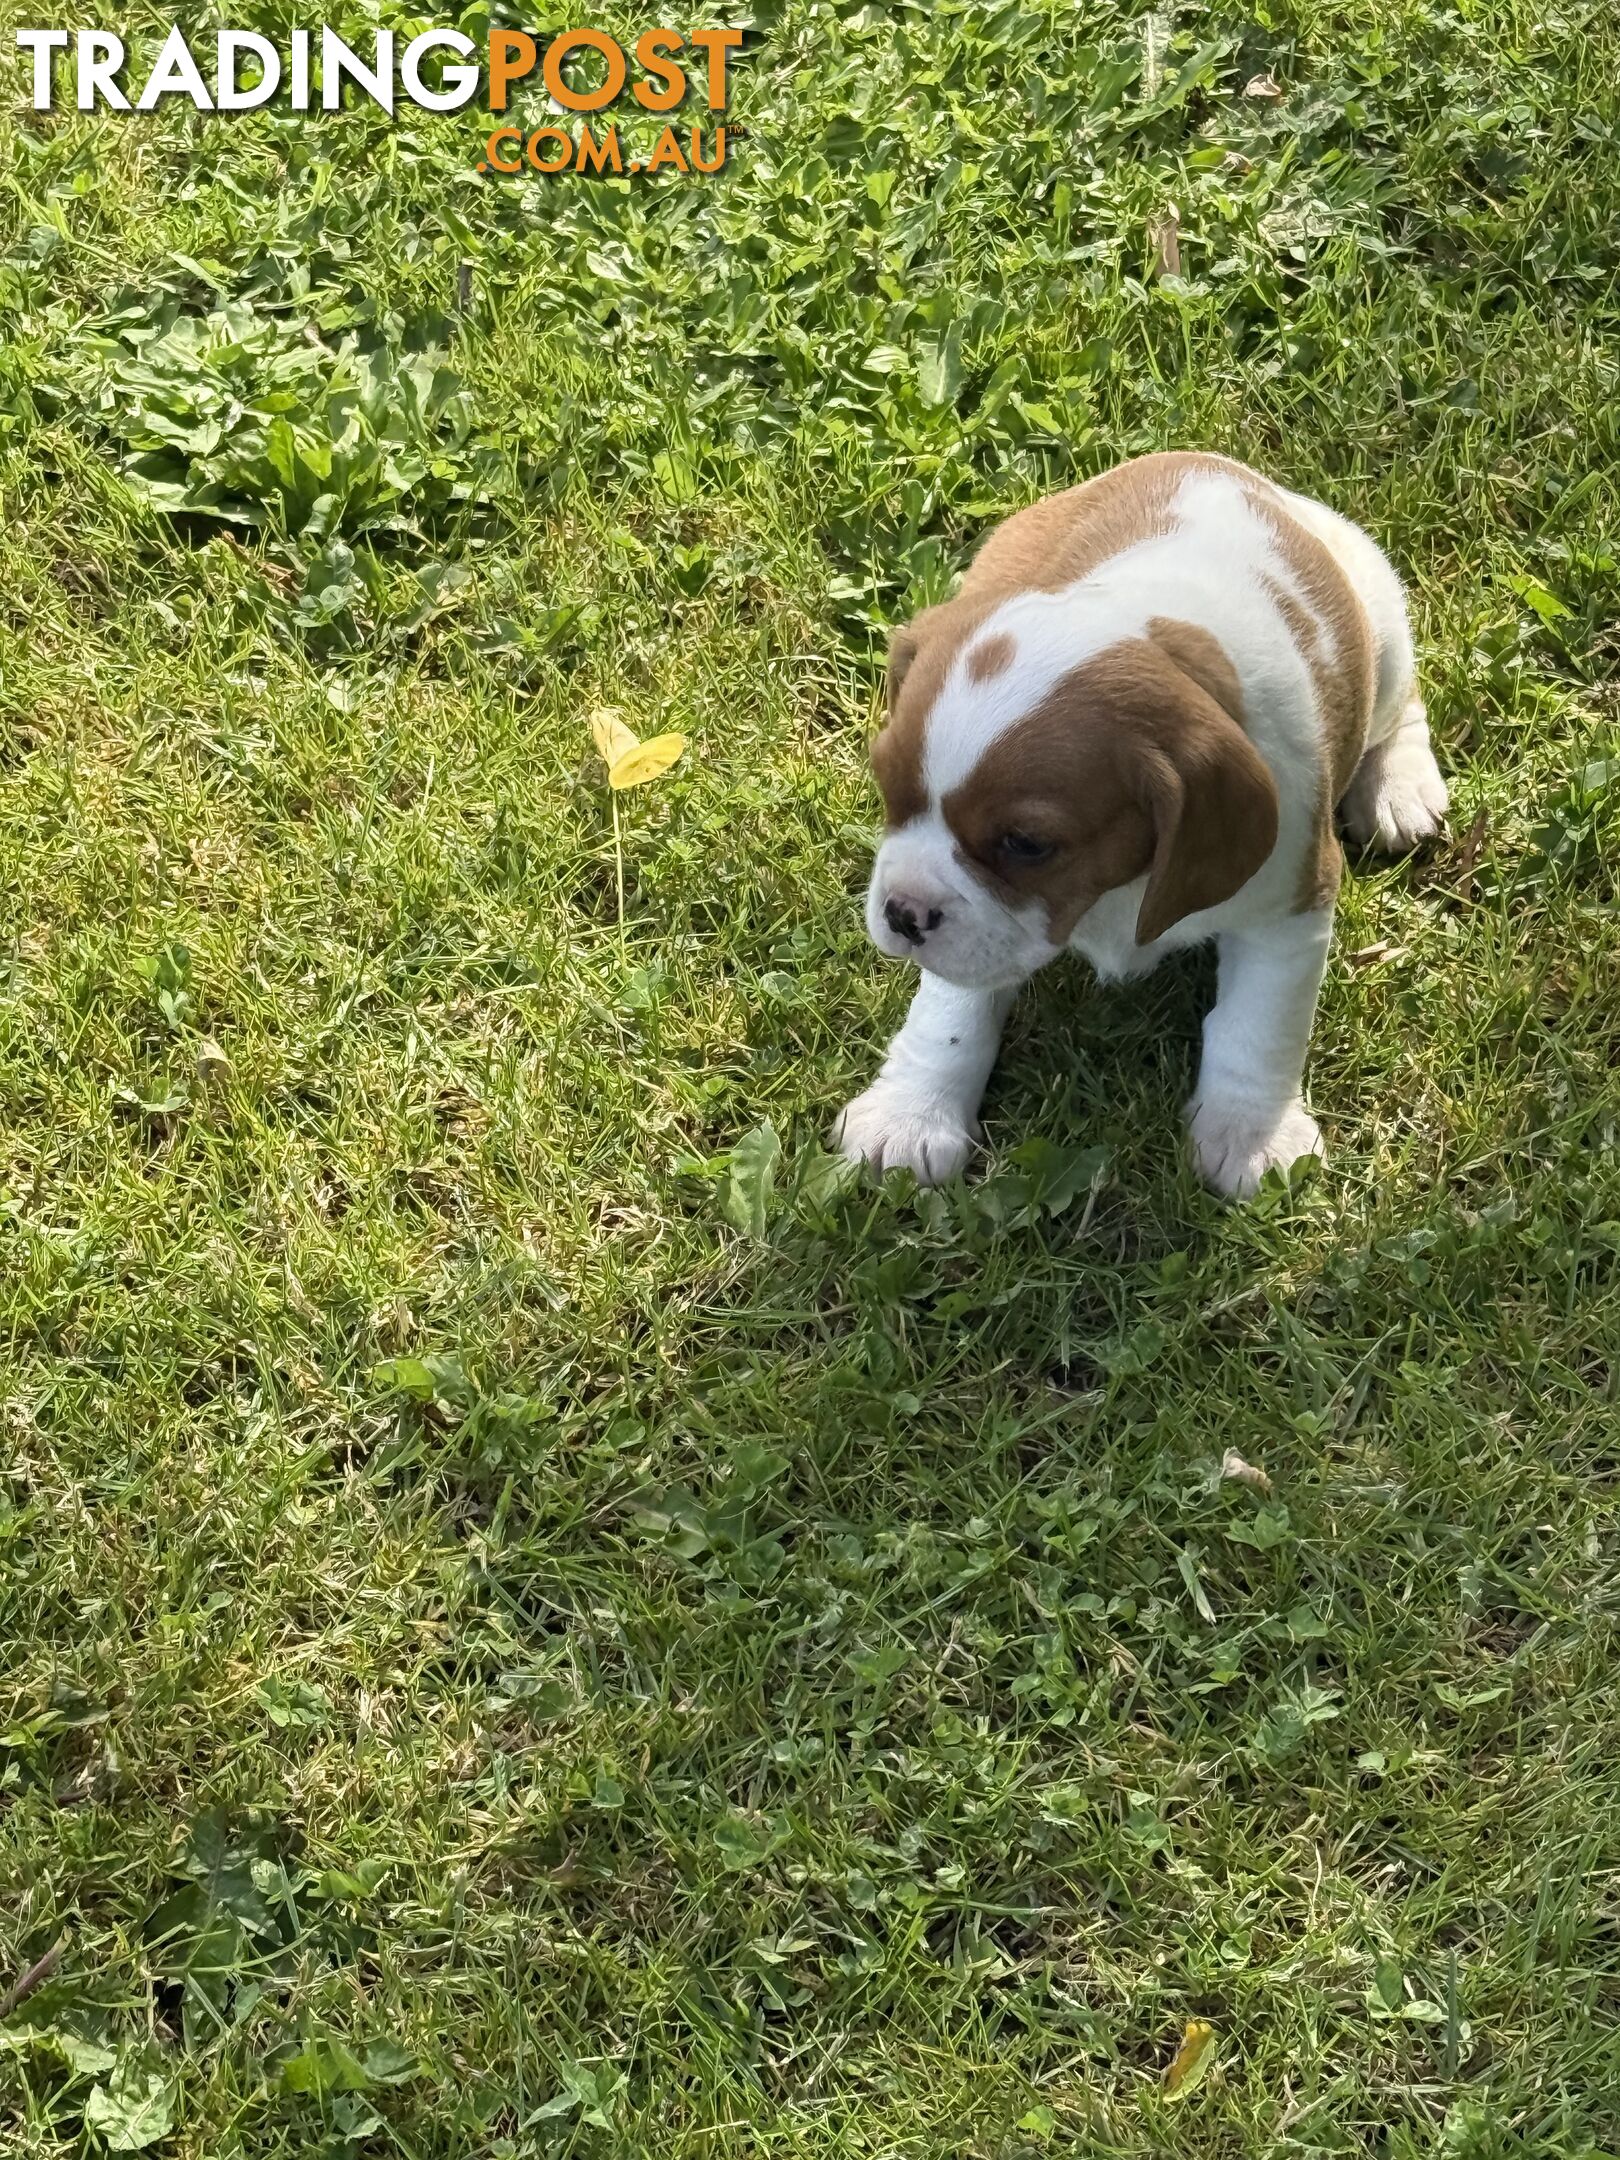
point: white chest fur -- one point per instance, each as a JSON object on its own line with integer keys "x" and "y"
{"x": 1106, "y": 935}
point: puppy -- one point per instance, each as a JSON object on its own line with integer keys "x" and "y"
{"x": 1127, "y": 733}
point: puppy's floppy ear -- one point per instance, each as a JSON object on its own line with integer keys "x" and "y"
{"x": 1214, "y": 810}
{"x": 904, "y": 646}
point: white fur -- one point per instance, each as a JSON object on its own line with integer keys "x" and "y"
{"x": 920, "y": 1112}
{"x": 1219, "y": 568}
{"x": 1397, "y": 797}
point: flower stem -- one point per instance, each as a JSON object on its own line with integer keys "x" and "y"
{"x": 618, "y": 868}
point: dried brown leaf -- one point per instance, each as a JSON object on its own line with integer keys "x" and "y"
{"x": 1246, "y": 1473}
{"x": 1165, "y": 234}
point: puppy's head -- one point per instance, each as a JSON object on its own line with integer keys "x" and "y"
{"x": 1022, "y": 785}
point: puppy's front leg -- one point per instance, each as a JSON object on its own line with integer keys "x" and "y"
{"x": 920, "y": 1112}
{"x": 1246, "y": 1114}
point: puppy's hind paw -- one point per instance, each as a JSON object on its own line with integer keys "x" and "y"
{"x": 1397, "y": 799}
{"x": 889, "y": 1130}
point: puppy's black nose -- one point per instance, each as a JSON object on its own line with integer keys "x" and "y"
{"x": 909, "y": 919}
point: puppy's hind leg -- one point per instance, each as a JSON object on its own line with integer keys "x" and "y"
{"x": 1396, "y": 797}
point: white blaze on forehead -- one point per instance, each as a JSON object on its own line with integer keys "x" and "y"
{"x": 1049, "y": 634}
{"x": 921, "y": 858}
{"x": 1219, "y": 546}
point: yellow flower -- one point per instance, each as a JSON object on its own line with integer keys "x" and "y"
{"x": 1192, "y": 2058}
{"x": 629, "y": 760}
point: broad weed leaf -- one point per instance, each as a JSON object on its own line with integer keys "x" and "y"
{"x": 132, "y": 2110}
{"x": 388, "y": 2063}
{"x": 1536, "y": 597}
{"x": 219, "y": 1858}
{"x": 939, "y": 368}
{"x": 749, "y": 1185}
{"x": 291, "y": 1704}
{"x": 324, "y": 2065}
{"x": 85, "y": 2058}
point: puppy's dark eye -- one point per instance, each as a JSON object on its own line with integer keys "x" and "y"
{"x": 1023, "y": 848}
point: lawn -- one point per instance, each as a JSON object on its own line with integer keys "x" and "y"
{"x": 538, "y": 1618}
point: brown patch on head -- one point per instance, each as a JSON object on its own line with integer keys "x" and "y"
{"x": 1128, "y": 766}
{"x": 1052, "y": 543}
{"x": 992, "y": 656}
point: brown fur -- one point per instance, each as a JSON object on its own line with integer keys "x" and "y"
{"x": 1344, "y": 680}
{"x": 1200, "y": 654}
{"x": 1128, "y": 766}
{"x": 1067, "y": 536}
{"x": 989, "y": 658}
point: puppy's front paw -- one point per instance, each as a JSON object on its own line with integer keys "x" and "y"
{"x": 890, "y": 1130}
{"x": 1234, "y": 1146}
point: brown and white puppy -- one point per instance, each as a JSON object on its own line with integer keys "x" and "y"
{"x": 1127, "y": 733}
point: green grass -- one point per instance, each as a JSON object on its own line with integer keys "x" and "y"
{"x": 520, "y": 1638}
